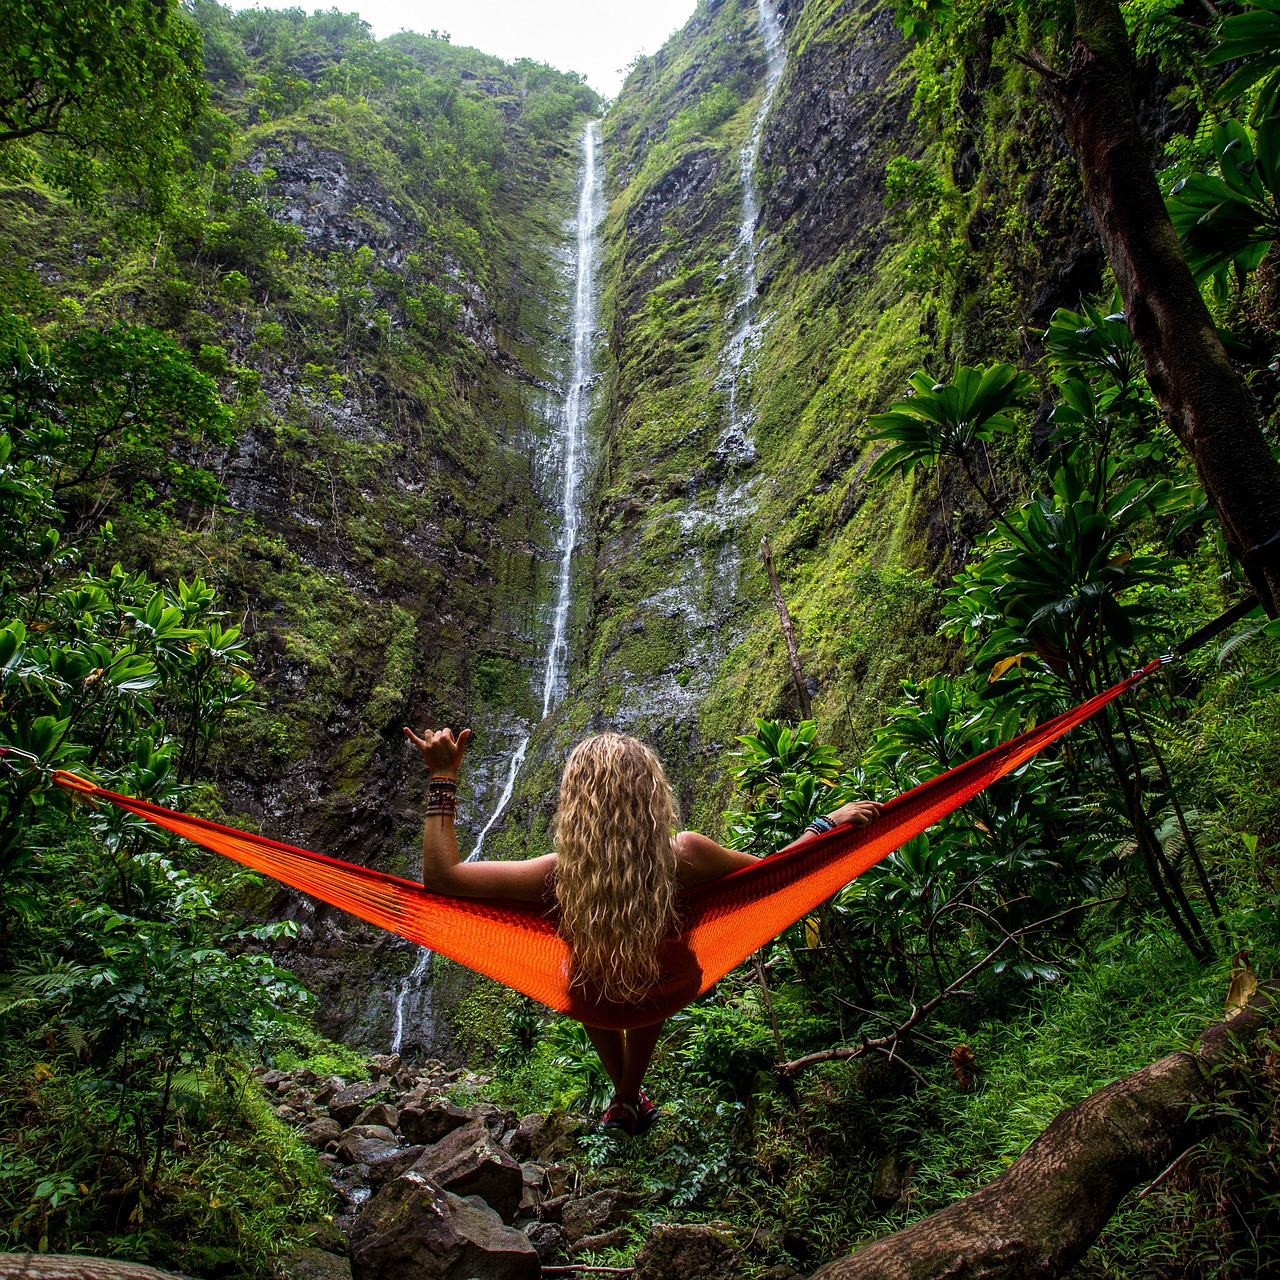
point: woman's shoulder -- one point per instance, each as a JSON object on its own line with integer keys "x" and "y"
{"x": 702, "y": 859}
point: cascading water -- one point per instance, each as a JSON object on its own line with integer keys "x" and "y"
{"x": 413, "y": 990}
{"x": 737, "y": 436}
{"x": 704, "y": 592}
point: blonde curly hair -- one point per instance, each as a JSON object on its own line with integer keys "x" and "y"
{"x": 616, "y": 866}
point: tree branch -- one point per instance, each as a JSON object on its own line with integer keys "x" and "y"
{"x": 888, "y": 1044}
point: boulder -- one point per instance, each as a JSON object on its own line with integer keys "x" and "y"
{"x": 348, "y": 1103}
{"x": 561, "y": 1179}
{"x": 274, "y": 1081}
{"x": 310, "y": 1264}
{"x": 594, "y": 1214}
{"x": 431, "y": 1123}
{"x": 695, "y": 1252}
{"x": 520, "y": 1139}
{"x": 414, "y": 1229}
{"x": 379, "y": 1113}
{"x": 889, "y": 1181}
{"x": 322, "y": 1131}
{"x": 469, "y": 1162}
{"x": 383, "y": 1064}
{"x": 391, "y": 1164}
{"x": 327, "y": 1089}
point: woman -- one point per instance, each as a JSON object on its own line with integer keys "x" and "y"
{"x": 615, "y": 875}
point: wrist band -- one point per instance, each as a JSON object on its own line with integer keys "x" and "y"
{"x": 821, "y": 825}
{"x": 442, "y": 797}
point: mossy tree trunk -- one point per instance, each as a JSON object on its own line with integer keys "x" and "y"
{"x": 1203, "y": 397}
{"x": 1039, "y": 1217}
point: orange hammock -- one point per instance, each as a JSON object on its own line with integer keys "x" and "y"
{"x": 723, "y": 922}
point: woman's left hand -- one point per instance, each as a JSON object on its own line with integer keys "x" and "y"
{"x": 857, "y": 813}
{"x": 441, "y": 751}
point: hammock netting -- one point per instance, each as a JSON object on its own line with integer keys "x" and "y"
{"x": 722, "y": 923}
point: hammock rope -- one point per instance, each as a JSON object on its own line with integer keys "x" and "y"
{"x": 722, "y": 923}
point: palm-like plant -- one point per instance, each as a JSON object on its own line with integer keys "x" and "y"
{"x": 948, "y": 420}
{"x": 1228, "y": 220}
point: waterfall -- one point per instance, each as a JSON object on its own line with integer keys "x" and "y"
{"x": 573, "y": 430}
{"x": 736, "y": 439}
{"x": 414, "y": 989}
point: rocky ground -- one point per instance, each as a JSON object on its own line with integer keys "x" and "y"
{"x": 434, "y": 1190}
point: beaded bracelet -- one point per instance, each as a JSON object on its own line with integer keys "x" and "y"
{"x": 821, "y": 825}
{"x": 442, "y": 797}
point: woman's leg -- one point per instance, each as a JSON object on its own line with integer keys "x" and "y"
{"x": 611, "y": 1047}
{"x": 640, "y": 1044}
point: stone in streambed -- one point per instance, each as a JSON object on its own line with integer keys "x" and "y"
{"x": 382, "y": 1113}
{"x": 319, "y": 1133}
{"x": 348, "y": 1103}
{"x": 414, "y": 1229}
{"x": 391, "y": 1164}
{"x": 356, "y": 1150}
{"x": 469, "y": 1162}
{"x": 429, "y": 1124}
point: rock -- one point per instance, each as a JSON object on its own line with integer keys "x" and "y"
{"x": 551, "y": 1140}
{"x": 383, "y": 1064}
{"x": 378, "y": 1131}
{"x": 552, "y": 1210}
{"x": 530, "y": 1202}
{"x": 402, "y": 1079}
{"x": 357, "y": 1150}
{"x": 695, "y": 1252}
{"x": 889, "y": 1181}
{"x": 352, "y": 1185}
{"x": 379, "y": 1113}
{"x": 469, "y": 1162}
{"x": 305, "y": 1076}
{"x": 322, "y": 1234}
{"x": 327, "y": 1089}
{"x": 594, "y": 1213}
{"x": 548, "y": 1239}
{"x": 414, "y": 1229}
{"x": 322, "y": 1131}
{"x": 534, "y": 1175}
{"x": 392, "y": 1164}
{"x": 561, "y": 1179}
{"x": 348, "y": 1103}
{"x": 520, "y": 1140}
{"x": 496, "y": 1119}
{"x": 429, "y": 1124}
{"x": 273, "y": 1080}
{"x": 612, "y": 1239}
{"x": 310, "y": 1264}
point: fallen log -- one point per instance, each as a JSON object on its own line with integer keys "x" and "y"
{"x": 72, "y": 1266}
{"x": 1038, "y": 1218}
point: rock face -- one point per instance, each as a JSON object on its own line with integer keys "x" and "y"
{"x": 414, "y": 1229}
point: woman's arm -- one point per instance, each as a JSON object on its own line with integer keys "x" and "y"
{"x": 442, "y": 868}
{"x": 702, "y": 860}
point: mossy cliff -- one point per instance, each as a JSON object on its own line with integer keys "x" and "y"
{"x": 368, "y": 255}
{"x": 911, "y": 214}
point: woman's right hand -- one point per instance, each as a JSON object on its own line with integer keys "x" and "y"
{"x": 440, "y": 750}
{"x": 857, "y": 813}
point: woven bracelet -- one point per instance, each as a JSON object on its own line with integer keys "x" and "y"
{"x": 821, "y": 825}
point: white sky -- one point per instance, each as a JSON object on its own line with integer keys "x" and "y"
{"x": 596, "y": 37}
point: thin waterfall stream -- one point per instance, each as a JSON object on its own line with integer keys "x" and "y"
{"x": 414, "y": 988}
{"x": 737, "y": 436}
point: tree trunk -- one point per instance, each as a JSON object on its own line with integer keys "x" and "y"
{"x": 788, "y": 631}
{"x": 1039, "y": 1217}
{"x": 64, "y": 1266}
{"x": 1204, "y": 399}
